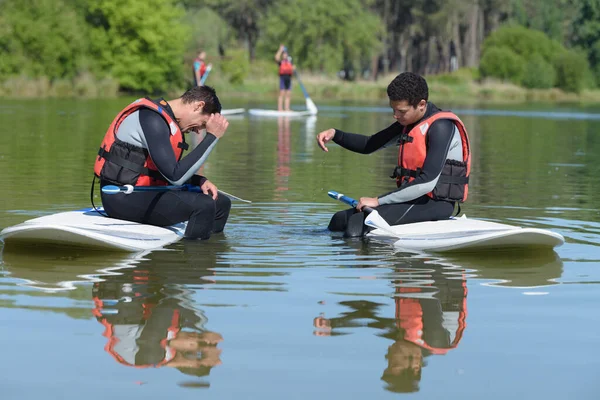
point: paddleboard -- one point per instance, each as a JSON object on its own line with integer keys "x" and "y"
{"x": 88, "y": 229}
{"x": 274, "y": 113}
{"x": 466, "y": 235}
{"x": 233, "y": 111}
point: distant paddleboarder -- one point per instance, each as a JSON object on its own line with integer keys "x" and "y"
{"x": 199, "y": 68}
{"x": 286, "y": 69}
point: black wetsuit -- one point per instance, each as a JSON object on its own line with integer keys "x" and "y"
{"x": 150, "y": 131}
{"x": 409, "y": 203}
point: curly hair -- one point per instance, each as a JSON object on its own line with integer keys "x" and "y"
{"x": 410, "y": 87}
{"x": 206, "y": 94}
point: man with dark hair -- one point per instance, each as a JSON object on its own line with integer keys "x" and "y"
{"x": 144, "y": 146}
{"x": 434, "y": 160}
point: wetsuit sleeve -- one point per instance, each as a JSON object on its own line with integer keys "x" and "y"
{"x": 367, "y": 144}
{"x": 439, "y": 138}
{"x": 157, "y": 134}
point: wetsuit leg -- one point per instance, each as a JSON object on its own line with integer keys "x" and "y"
{"x": 339, "y": 221}
{"x": 422, "y": 209}
{"x": 349, "y": 221}
{"x": 205, "y": 215}
{"x": 419, "y": 210}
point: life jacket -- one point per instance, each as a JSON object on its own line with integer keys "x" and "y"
{"x": 410, "y": 318}
{"x": 123, "y": 163}
{"x": 202, "y": 66}
{"x": 286, "y": 68}
{"x": 453, "y": 183}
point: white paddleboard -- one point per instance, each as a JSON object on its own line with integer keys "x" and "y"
{"x": 466, "y": 235}
{"x": 233, "y": 111}
{"x": 88, "y": 229}
{"x": 274, "y": 113}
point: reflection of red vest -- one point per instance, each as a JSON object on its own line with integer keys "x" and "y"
{"x": 286, "y": 68}
{"x": 413, "y": 150}
{"x": 149, "y": 175}
{"x": 172, "y": 332}
{"x": 409, "y": 315}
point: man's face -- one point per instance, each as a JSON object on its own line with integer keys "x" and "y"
{"x": 406, "y": 114}
{"x": 196, "y": 120}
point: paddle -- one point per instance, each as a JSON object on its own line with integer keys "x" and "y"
{"x": 310, "y": 105}
{"x": 127, "y": 189}
{"x": 373, "y": 220}
{"x": 205, "y": 76}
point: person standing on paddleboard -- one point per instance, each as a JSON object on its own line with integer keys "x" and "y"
{"x": 199, "y": 68}
{"x": 143, "y": 147}
{"x": 286, "y": 69}
{"x": 434, "y": 160}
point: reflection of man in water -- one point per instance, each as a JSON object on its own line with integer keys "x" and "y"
{"x": 149, "y": 317}
{"x": 282, "y": 173}
{"x": 430, "y": 319}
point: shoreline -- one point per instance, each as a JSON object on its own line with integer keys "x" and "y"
{"x": 456, "y": 88}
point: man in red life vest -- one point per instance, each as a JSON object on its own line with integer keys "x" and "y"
{"x": 434, "y": 160}
{"x": 286, "y": 69}
{"x": 144, "y": 146}
{"x": 200, "y": 67}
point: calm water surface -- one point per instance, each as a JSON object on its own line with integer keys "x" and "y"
{"x": 277, "y": 307}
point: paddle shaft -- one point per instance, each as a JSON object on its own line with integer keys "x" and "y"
{"x": 127, "y": 189}
{"x": 301, "y": 84}
{"x": 205, "y": 76}
{"x": 348, "y": 200}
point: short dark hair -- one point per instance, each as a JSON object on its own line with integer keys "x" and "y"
{"x": 206, "y": 94}
{"x": 410, "y": 87}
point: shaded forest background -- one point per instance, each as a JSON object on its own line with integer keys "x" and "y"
{"x": 99, "y": 47}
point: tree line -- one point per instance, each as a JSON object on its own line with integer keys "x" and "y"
{"x": 148, "y": 45}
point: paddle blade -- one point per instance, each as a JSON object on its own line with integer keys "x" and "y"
{"x": 111, "y": 189}
{"x": 310, "y": 105}
{"x": 334, "y": 195}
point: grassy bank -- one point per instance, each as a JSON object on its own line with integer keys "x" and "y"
{"x": 261, "y": 83}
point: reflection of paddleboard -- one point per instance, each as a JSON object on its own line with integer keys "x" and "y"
{"x": 59, "y": 269}
{"x": 233, "y": 111}
{"x": 86, "y": 228}
{"x": 467, "y": 235}
{"x": 274, "y": 113}
{"x": 527, "y": 270}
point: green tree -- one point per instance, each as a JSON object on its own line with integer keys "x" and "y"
{"x": 41, "y": 38}
{"x": 243, "y": 15}
{"x": 502, "y": 63}
{"x": 321, "y": 35}
{"x": 586, "y": 32}
{"x": 572, "y": 70}
{"x": 139, "y": 42}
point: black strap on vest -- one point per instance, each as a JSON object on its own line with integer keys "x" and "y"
{"x": 400, "y": 172}
{"x": 129, "y": 165}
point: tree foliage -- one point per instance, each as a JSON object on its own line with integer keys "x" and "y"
{"x": 41, "y": 38}
{"x": 325, "y": 37}
{"x": 140, "y": 43}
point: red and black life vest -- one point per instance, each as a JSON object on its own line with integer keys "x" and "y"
{"x": 286, "y": 67}
{"x": 123, "y": 163}
{"x": 453, "y": 183}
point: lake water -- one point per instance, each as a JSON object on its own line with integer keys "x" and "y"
{"x": 277, "y": 307}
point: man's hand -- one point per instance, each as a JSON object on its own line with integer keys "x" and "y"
{"x": 324, "y": 137}
{"x": 367, "y": 202}
{"x": 210, "y": 189}
{"x": 217, "y": 125}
